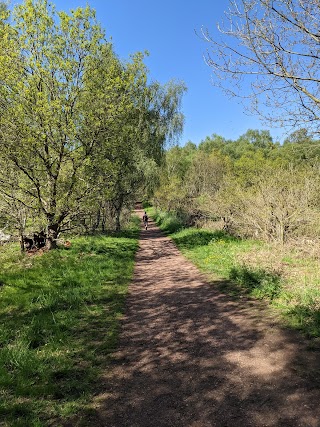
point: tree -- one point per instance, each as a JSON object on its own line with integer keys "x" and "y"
{"x": 270, "y": 51}
{"x": 117, "y": 110}
{"x": 3, "y": 7}
{"x": 134, "y": 145}
{"x": 77, "y": 125}
{"x": 299, "y": 148}
{"x": 268, "y": 200}
{"x": 300, "y": 136}
{"x": 43, "y": 89}
{"x": 215, "y": 142}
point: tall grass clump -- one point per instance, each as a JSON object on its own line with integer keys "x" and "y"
{"x": 301, "y": 307}
{"x": 169, "y": 222}
{"x": 59, "y": 321}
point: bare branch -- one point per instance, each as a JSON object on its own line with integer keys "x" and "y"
{"x": 273, "y": 48}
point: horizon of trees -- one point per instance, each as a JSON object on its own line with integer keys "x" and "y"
{"x": 251, "y": 187}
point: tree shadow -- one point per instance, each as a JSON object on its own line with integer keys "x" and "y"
{"x": 202, "y": 238}
{"x": 191, "y": 356}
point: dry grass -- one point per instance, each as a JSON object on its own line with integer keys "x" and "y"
{"x": 297, "y": 263}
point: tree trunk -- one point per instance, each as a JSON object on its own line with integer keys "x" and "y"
{"x": 103, "y": 222}
{"x": 21, "y": 241}
{"x": 117, "y": 204}
{"x": 96, "y": 223}
{"x": 118, "y": 225}
{"x": 52, "y": 235}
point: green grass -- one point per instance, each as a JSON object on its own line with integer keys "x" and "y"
{"x": 293, "y": 288}
{"x": 212, "y": 251}
{"x": 301, "y": 307}
{"x": 59, "y": 320}
{"x": 259, "y": 283}
{"x": 168, "y": 222}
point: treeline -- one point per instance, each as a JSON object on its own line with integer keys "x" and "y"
{"x": 81, "y": 131}
{"x": 251, "y": 187}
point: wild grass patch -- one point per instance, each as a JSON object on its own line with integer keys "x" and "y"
{"x": 257, "y": 282}
{"x": 167, "y": 221}
{"x": 59, "y": 319}
{"x": 285, "y": 276}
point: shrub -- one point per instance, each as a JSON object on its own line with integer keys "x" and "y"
{"x": 167, "y": 221}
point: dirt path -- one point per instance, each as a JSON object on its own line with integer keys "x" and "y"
{"x": 192, "y": 357}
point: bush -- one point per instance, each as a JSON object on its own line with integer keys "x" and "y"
{"x": 146, "y": 204}
{"x": 167, "y": 221}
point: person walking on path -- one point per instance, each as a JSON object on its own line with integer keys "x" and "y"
{"x": 145, "y": 219}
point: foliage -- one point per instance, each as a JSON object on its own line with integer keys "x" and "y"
{"x": 252, "y": 186}
{"x": 168, "y": 222}
{"x": 269, "y": 202}
{"x": 59, "y": 321}
{"x": 80, "y": 130}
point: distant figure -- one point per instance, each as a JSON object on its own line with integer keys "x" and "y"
{"x": 145, "y": 220}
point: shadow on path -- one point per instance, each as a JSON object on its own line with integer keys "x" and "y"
{"x": 190, "y": 356}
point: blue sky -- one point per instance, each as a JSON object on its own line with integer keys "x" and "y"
{"x": 167, "y": 30}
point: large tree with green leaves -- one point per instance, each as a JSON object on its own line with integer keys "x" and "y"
{"x": 132, "y": 149}
{"x": 74, "y": 119}
{"x": 47, "y": 134}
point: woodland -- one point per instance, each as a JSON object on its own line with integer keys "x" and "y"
{"x": 251, "y": 187}
{"x": 84, "y": 135}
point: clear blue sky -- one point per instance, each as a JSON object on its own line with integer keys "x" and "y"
{"x": 167, "y": 30}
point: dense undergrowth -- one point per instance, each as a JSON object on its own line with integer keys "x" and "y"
{"x": 284, "y": 276}
{"x": 59, "y": 317}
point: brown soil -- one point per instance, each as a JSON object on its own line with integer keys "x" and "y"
{"x": 190, "y": 356}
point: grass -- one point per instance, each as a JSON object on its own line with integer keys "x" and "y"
{"x": 59, "y": 320}
{"x": 168, "y": 222}
{"x": 286, "y": 278}
{"x": 258, "y": 282}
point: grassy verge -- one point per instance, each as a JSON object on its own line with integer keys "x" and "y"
{"x": 287, "y": 277}
{"x": 59, "y": 317}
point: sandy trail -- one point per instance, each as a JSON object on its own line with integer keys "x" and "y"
{"x": 190, "y": 356}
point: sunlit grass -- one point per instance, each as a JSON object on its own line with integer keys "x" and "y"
{"x": 212, "y": 251}
{"x": 59, "y": 319}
